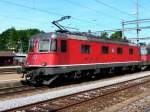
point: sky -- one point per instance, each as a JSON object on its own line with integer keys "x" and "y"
{"x": 94, "y": 15}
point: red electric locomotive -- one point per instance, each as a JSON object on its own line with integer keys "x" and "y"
{"x": 75, "y": 55}
{"x": 56, "y": 54}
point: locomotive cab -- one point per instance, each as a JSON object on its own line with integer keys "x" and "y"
{"x": 43, "y": 51}
{"x": 47, "y": 51}
{"x": 46, "y": 54}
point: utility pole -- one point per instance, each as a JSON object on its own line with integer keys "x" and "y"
{"x": 123, "y": 30}
{"x": 137, "y": 22}
{"x": 137, "y": 17}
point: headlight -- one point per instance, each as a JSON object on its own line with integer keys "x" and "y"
{"x": 43, "y": 63}
{"x": 54, "y": 35}
{"x": 27, "y": 63}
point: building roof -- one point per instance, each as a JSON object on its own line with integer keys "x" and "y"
{"x": 20, "y": 55}
{"x": 7, "y": 54}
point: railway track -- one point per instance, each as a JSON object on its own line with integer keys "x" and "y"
{"x": 67, "y": 102}
{"x": 16, "y": 89}
{"x": 8, "y": 70}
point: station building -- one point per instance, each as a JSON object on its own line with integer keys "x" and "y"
{"x": 10, "y": 58}
{"x": 6, "y": 58}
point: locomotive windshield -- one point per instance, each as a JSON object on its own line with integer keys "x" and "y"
{"x": 44, "y": 45}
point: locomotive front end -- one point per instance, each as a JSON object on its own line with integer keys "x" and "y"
{"x": 41, "y": 59}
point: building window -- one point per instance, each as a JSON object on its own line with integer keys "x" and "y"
{"x": 119, "y": 50}
{"x": 130, "y": 51}
{"x": 105, "y": 49}
{"x": 85, "y": 49}
{"x": 63, "y": 46}
{"x": 53, "y": 46}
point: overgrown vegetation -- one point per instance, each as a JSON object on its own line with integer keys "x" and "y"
{"x": 114, "y": 36}
{"x": 14, "y": 40}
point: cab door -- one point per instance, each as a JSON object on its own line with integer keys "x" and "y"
{"x": 63, "y": 52}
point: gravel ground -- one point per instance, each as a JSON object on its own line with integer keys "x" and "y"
{"x": 61, "y": 92}
{"x": 8, "y": 73}
{"x": 9, "y": 77}
{"x": 141, "y": 105}
{"x": 104, "y": 103}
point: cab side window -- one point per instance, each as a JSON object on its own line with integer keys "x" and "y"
{"x": 85, "y": 49}
{"x": 63, "y": 46}
{"x": 53, "y": 46}
{"x": 131, "y": 51}
{"x": 119, "y": 50}
{"x": 105, "y": 49}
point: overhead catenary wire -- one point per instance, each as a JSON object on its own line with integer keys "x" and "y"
{"x": 24, "y": 19}
{"x": 142, "y": 6}
{"x": 92, "y": 9}
{"x": 135, "y": 21}
{"x": 45, "y": 11}
{"x": 142, "y": 38}
{"x": 114, "y": 8}
{"x": 55, "y": 13}
{"x": 30, "y": 20}
{"x": 29, "y": 7}
{"x": 126, "y": 29}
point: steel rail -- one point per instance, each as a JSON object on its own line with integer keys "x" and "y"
{"x": 26, "y": 107}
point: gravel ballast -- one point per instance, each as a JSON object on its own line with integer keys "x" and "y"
{"x": 8, "y": 104}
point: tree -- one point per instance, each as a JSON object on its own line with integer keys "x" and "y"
{"x": 13, "y": 39}
{"x": 104, "y": 35}
{"x": 116, "y": 36}
{"x": 25, "y": 36}
{"x": 8, "y": 39}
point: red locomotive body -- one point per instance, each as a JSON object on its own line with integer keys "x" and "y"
{"x": 76, "y": 51}
{"x": 57, "y": 54}
{"x": 145, "y": 55}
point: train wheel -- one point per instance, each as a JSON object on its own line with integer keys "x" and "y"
{"x": 33, "y": 80}
{"x": 28, "y": 77}
{"x": 77, "y": 75}
{"x": 37, "y": 81}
